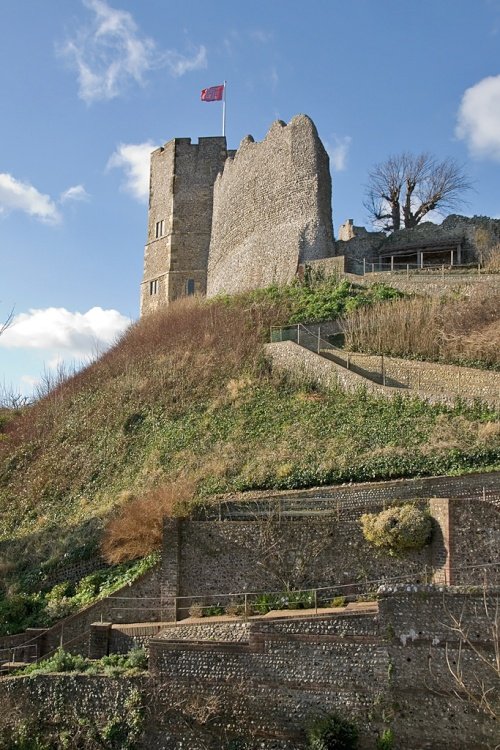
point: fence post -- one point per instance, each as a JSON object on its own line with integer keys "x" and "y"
{"x": 298, "y": 333}
{"x": 373, "y": 267}
{"x": 407, "y": 270}
{"x": 392, "y": 262}
{"x": 348, "y": 360}
{"x": 364, "y": 266}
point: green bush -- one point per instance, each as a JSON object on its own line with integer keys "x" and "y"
{"x": 213, "y": 610}
{"x": 338, "y": 601}
{"x": 398, "y": 529}
{"x": 386, "y": 740}
{"x": 332, "y": 733}
{"x": 112, "y": 665}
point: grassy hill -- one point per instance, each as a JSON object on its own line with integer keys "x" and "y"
{"x": 187, "y": 396}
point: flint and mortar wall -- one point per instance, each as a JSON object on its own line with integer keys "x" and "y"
{"x": 379, "y": 670}
{"x": 181, "y": 194}
{"x": 434, "y": 284}
{"x": 272, "y": 209}
{"x": 433, "y": 382}
{"x": 320, "y": 544}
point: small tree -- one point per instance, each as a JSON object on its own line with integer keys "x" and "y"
{"x": 404, "y": 188}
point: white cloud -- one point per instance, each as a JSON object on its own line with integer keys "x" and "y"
{"x": 134, "y": 159}
{"x": 261, "y": 36}
{"x": 111, "y": 52}
{"x": 479, "y": 118}
{"x": 62, "y": 332}
{"x": 75, "y": 193}
{"x": 339, "y": 151}
{"x": 274, "y": 78}
{"x": 20, "y": 196}
{"x": 179, "y": 64}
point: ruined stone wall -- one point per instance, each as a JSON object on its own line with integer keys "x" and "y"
{"x": 272, "y": 209}
{"x": 181, "y": 194}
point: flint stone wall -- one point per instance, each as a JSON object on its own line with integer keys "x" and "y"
{"x": 271, "y": 210}
{"x": 380, "y": 670}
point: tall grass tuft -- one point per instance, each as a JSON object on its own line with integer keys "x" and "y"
{"x": 138, "y": 529}
{"x": 463, "y": 331}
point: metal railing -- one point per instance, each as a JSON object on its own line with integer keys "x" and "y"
{"x": 376, "y": 368}
{"x": 367, "y": 266}
{"x": 315, "y": 342}
{"x": 323, "y": 502}
{"x": 248, "y": 603}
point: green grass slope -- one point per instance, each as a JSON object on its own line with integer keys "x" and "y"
{"x": 187, "y": 394}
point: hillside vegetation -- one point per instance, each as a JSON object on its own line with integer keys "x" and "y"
{"x": 457, "y": 331}
{"x": 186, "y": 396}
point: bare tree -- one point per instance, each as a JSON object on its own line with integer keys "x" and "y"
{"x": 404, "y": 188}
{"x": 7, "y": 322}
{"x": 472, "y": 660}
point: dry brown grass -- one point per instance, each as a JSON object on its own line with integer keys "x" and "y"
{"x": 170, "y": 357}
{"x": 465, "y": 330}
{"x": 138, "y": 529}
{"x": 492, "y": 259}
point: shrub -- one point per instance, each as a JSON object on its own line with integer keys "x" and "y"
{"x": 398, "y": 529}
{"x": 213, "y": 610}
{"x": 332, "y": 733}
{"x": 235, "y": 609}
{"x": 338, "y": 601}
{"x": 196, "y": 610}
{"x": 386, "y": 740}
{"x": 138, "y": 529}
{"x": 461, "y": 331}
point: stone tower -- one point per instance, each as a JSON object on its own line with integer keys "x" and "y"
{"x": 180, "y": 219}
{"x": 272, "y": 210}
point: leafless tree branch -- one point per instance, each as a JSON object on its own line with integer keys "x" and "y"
{"x": 405, "y": 188}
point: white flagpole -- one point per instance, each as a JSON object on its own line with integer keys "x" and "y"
{"x": 224, "y": 111}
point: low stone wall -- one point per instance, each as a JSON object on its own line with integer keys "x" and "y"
{"x": 431, "y": 377}
{"x": 430, "y": 381}
{"x": 434, "y": 284}
{"x": 303, "y": 364}
{"x": 380, "y": 670}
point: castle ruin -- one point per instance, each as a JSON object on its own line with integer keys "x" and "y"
{"x": 222, "y": 221}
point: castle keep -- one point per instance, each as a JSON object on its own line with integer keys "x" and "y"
{"x": 222, "y": 221}
{"x": 226, "y": 221}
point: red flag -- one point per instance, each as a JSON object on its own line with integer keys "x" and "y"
{"x": 213, "y": 94}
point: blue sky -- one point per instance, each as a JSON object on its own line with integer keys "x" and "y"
{"x": 89, "y": 87}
